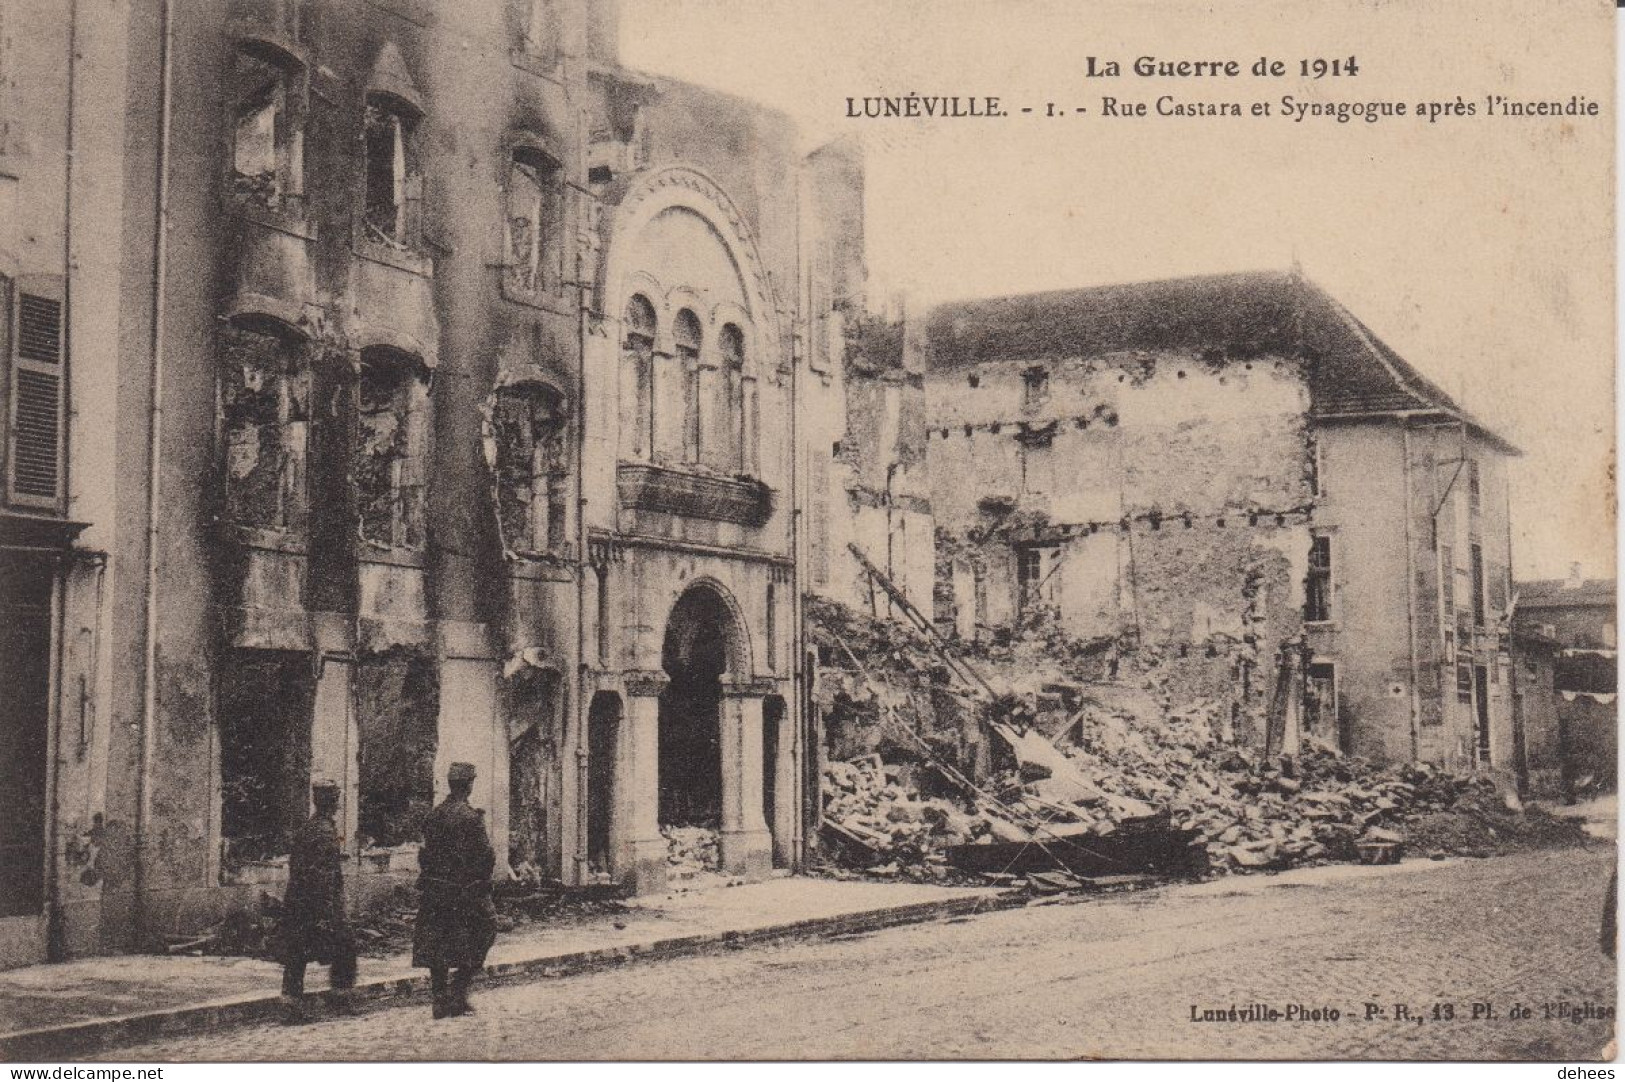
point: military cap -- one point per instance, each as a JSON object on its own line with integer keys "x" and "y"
{"x": 460, "y": 772}
{"x": 324, "y": 783}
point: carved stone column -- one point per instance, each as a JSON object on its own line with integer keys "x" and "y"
{"x": 639, "y": 852}
{"x": 746, "y": 846}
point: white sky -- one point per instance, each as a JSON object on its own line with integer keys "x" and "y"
{"x": 1481, "y": 249}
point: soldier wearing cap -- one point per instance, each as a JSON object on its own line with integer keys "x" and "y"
{"x": 456, "y": 922}
{"x": 314, "y": 925}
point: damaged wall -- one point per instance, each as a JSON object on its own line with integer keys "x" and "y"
{"x": 1157, "y": 498}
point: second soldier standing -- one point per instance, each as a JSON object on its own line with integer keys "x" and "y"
{"x": 456, "y": 922}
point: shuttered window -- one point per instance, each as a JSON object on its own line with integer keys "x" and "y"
{"x": 35, "y": 388}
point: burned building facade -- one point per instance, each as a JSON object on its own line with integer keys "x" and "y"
{"x": 1231, "y": 484}
{"x": 453, "y": 418}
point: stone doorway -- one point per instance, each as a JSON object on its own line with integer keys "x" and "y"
{"x": 694, "y": 657}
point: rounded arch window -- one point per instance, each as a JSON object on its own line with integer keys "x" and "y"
{"x": 686, "y": 332}
{"x": 640, "y": 317}
{"x": 637, "y": 378}
{"x": 686, "y": 340}
{"x": 731, "y": 343}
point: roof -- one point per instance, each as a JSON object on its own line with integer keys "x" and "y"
{"x": 1352, "y": 373}
{"x": 1565, "y": 593}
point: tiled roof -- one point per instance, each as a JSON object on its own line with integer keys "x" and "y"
{"x": 1351, "y": 371}
{"x": 1562, "y": 593}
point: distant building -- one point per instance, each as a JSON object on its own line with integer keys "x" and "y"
{"x": 1571, "y": 726}
{"x": 1233, "y": 479}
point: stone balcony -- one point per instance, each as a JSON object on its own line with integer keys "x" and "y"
{"x": 694, "y": 495}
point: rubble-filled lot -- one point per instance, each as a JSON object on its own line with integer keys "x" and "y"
{"x": 1072, "y": 766}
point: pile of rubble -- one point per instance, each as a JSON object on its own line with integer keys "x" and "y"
{"x": 691, "y": 853}
{"x": 1113, "y": 767}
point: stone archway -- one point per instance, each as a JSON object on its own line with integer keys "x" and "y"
{"x": 709, "y": 783}
{"x": 694, "y": 657}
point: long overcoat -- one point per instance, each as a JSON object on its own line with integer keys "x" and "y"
{"x": 456, "y": 922}
{"x": 314, "y": 926}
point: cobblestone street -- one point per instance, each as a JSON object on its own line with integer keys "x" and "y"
{"x": 1117, "y": 977}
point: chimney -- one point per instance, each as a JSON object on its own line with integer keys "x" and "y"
{"x": 1576, "y": 580}
{"x": 604, "y": 31}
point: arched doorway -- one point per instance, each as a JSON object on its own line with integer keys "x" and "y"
{"x": 772, "y": 753}
{"x": 603, "y": 738}
{"x": 695, "y": 654}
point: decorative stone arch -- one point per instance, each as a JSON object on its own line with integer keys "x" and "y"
{"x": 366, "y": 336}
{"x": 260, "y": 310}
{"x": 685, "y": 187}
{"x": 736, "y": 636}
{"x": 726, "y": 312}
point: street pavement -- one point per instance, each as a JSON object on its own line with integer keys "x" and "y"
{"x": 1401, "y": 954}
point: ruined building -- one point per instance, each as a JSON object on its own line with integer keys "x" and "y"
{"x": 435, "y": 397}
{"x": 1231, "y": 484}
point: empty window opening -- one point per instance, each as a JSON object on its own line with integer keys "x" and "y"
{"x": 394, "y": 187}
{"x": 603, "y": 741}
{"x": 772, "y": 628}
{"x": 1317, "y": 595}
{"x": 388, "y": 459}
{"x": 534, "y": 724}
{"x": 397, "y": 703}
{"x": 1035, "y": 387}
{"x": 1475, "y": 490}
{"x": 532, "y": 467}
{"x": 686, "y": 338}
{"x": 773, "y": 710}
{"x": 267, "y": 142}
{"x": 637, "y": 352}
{"x": 1034, "y": 576}
{"x": 602, "y": 575}
{"x": 265, "y": 401}
{"x": 534, "y": 217}
{"x": 265, "y": 700}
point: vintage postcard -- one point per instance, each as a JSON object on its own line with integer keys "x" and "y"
{"x": 807, "y": 530}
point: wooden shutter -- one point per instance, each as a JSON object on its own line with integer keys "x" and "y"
{"x": 36, "y": 393}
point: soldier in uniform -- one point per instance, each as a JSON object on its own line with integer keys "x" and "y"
{"x": 314, "y": 925}
{"x": 456, "y": 922}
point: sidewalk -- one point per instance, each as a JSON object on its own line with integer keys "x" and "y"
{"x": 50, "y": 1010}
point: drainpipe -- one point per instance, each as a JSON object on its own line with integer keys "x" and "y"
{"x": 55, "y": 946}
{"x": 582, "y": 856}
{"x": 798, "y": 662}
{"x": 1410, "y": 594}
{"x": 149, "y": 673}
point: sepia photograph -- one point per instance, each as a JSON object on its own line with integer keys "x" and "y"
{"x": 807, "y": 530}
